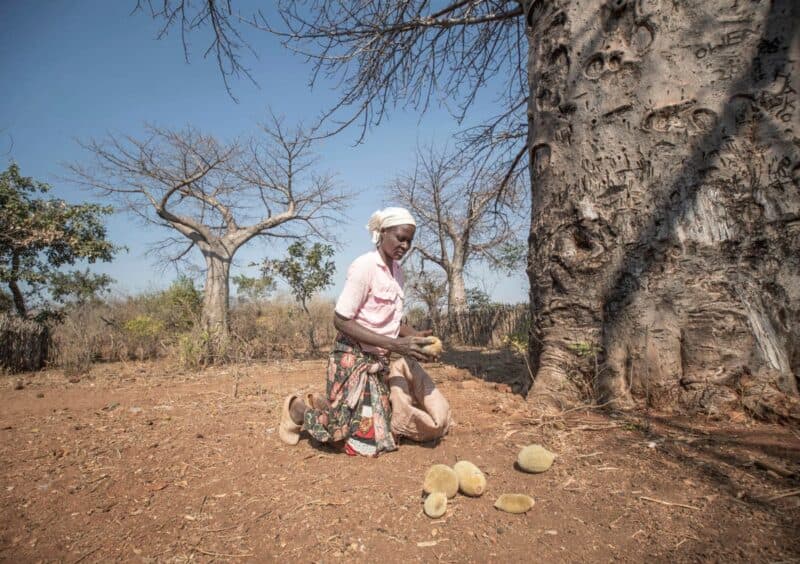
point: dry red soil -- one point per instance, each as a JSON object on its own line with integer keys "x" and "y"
{"x": 153, "y": 463}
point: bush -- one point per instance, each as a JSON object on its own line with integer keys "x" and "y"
{"x": 166, "y": 324}
{"x": 278, "y": 328}
{"x": 144, "y": 336}
{"x": 180, "y": 305}
{"x": 140, "y": 327}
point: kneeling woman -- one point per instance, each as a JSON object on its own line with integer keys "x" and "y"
{"x": 370, "y": 400}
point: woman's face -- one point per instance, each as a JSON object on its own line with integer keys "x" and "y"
{"x": 396, "y": 241}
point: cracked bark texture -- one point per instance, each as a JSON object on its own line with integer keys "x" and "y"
{"x": 664, "y": 255}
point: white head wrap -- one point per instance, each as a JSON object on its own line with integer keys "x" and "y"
{"x": 388, "y": 217}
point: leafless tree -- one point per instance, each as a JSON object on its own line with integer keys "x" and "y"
{"x": 458, "y": 222}
{"x": 216, "y": 196}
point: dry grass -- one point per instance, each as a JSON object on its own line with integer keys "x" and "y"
{"x": 157, "y": 325}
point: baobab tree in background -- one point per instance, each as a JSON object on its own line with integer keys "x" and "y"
{"x": 217, "y": 196}
{"x": 426, "y": 288}
{"x": 662, "y": 150}
{"x": 459, "y": 220}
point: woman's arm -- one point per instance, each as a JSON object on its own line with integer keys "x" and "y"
{"x": 405, "y": 345}
{"x": 409, "y": 331}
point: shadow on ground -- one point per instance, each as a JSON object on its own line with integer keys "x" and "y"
{"x": 502, "y": 366}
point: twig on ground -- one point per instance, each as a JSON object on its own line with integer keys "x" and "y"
{"x": 598, "y": 453}
{"x": 320, "y": 502}
{"x": 581, "y": 407}
{"x": 778, "y": 469}
{"x": 221, "y": 530}
{"x": 594, "y": 427}
{"x": 222, "y": 555}
{"x": 687, "y": 539}
{"x": 103, "y": 477}
{"x": 613, "y": 523}
{"x": 257, "y": 517}
{"x": 784, "y": 494}
{"x": 86, "y": 555}
{"x": 669, "y": 503}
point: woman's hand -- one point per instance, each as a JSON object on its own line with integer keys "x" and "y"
{"x": 411, "y": 346}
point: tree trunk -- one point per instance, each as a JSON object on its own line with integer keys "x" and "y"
{"x": 456, "y": 302}
{"x": 215, "y": 303}
{"x": 665, "y": 175}
{"x": 19, "y": 299}
{"x": 16, "y": 293}
{"x": 312, "y": 333}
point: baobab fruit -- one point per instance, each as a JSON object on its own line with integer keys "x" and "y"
{"x": 514, "y": 503}
{"x": 441, "y": 478}
{"x": 471, "y": 480}
{"x": 535, "y": 459}
{"x": 435, "y": 505}
{"x": 433, "y": 346}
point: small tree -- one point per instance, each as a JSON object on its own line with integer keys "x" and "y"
{"x": 39, "y": 235}
{"x": 307, "y": 271}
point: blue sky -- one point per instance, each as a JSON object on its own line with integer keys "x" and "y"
{"x": 75, "y": 70}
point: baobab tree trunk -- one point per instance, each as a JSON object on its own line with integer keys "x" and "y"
{"x": 456, "y": 302}
{"x": 456, "y": 291}
{"x": 665, "y": 174}
{"x": 216, "y": 302}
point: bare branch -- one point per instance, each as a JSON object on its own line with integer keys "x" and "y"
{"x": 218, "y": 17}
{"x": 451, "y": 198}
{"x": 216, "y": 196}
{"x": 386, "y": 53}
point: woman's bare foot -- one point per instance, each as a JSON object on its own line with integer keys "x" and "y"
{"x": 297, "y": 410}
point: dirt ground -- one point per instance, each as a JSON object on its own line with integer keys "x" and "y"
{"x": 150, "y": 462}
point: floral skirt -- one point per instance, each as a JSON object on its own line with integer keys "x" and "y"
{"x": 359, "y": 416}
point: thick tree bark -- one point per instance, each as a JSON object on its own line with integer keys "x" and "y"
{"x": 665, "y": 173}
{"x": 216, "y": 301}
{"x": 456, "y": 299}
{"x": 456, "y": 290}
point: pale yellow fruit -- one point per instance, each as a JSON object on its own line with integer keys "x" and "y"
{"x": 535, "y": 458}
{"x": 514, "y": 503}
{"x": 471, "y": 480}
{"x": 435, "y": 505}
{"x": 441, "y": 478}
{"x": 434, "y": 346}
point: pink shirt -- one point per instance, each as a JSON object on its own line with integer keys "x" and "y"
{"x": 373, "y": 296}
